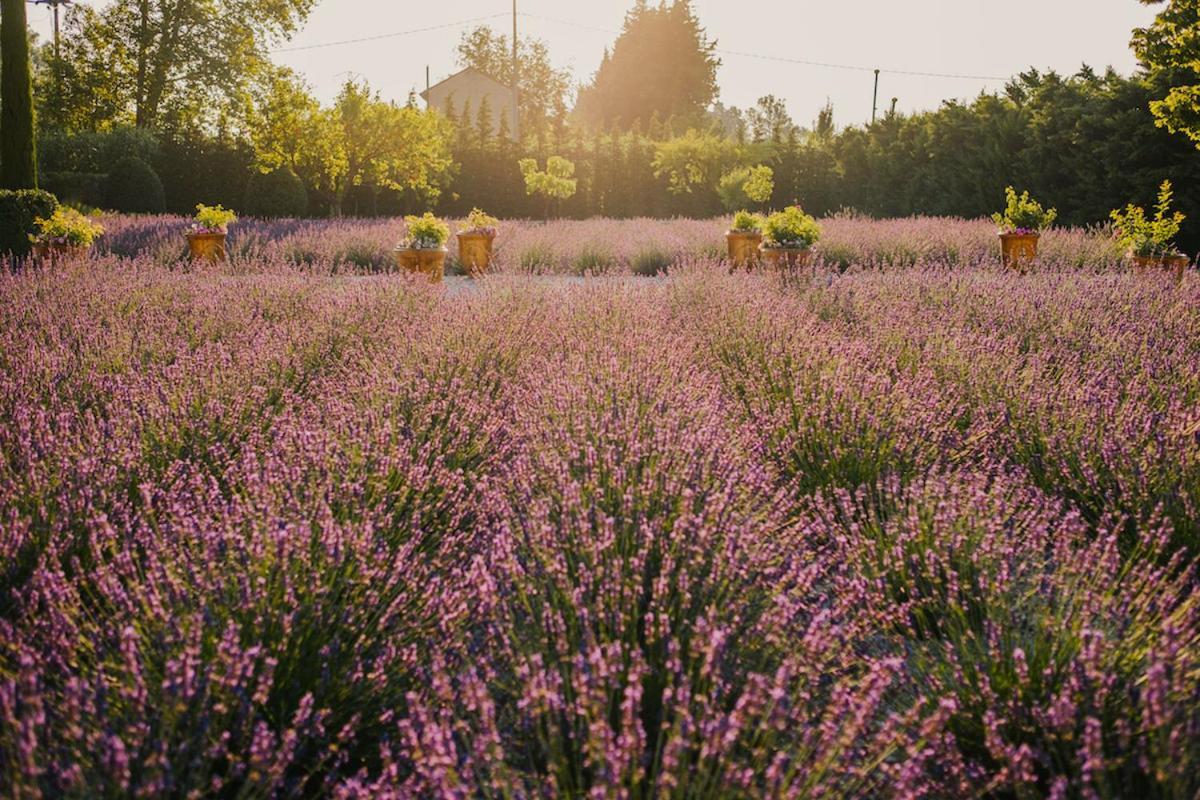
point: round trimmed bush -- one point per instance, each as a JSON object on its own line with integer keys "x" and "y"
{"x": 19, "y": 211}
{"x": 274, "y": 194}
{"x": 134, "y": 187}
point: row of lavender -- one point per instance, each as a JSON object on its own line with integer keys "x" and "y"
{"x": 919, "y": 535}
{"x": 597, "y": 246}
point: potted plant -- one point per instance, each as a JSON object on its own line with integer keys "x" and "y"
{"x": 206, "y": 235}
{"x": 475, "y": 240}
{"x": 788, "y": 237}
{"x": 743, "y": 238}
{"x": 66, "y": 233}
{"x": 1150, "y": 242}
{"x": 423, "y": 250}
{"x": 1021, "y": 225}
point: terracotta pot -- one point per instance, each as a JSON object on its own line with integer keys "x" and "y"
{"x": 786, "y": 258}
{"x": 1172, "y": 264}
{"x": 431, "y": 263}
{"x": 1018, "y": 250}
{"x": 475, "y": 252}
{"x": 206, "y": 246}
{"x": 57, "y": 252}
{"x": 743, "y": 248}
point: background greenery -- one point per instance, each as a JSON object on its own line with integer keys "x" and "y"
{"x": 1085, "y": 143}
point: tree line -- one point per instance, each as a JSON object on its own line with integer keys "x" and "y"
{"x": 1086, "y": 143}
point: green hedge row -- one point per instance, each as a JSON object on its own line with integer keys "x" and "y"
{"x": 18, "y": 210}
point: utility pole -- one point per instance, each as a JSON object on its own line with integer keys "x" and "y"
{"x": 516, "y": 80}
{"x": 54, "y": 4}
{"x": 875, "y": 98}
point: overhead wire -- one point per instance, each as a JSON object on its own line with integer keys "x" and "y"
{"x": 391, "y": 35}
{"x": 569, "y": 23}
{"x": 803, "y": 62}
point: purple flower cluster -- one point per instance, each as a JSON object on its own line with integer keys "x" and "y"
{"x": 615, "y": 246}
{"x": 267, "y": 531}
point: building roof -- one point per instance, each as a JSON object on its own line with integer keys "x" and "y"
{"x": 468, "y": 71}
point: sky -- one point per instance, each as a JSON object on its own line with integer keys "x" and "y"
{"x": 984, "y": 40}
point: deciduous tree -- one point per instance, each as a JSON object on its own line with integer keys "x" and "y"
{"x": 1170, "y": 50}
{"x": 173, "y": 59}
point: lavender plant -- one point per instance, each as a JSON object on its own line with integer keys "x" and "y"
{"x": 920, "y": 529}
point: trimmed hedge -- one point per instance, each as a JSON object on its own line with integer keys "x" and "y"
{"x": 133, "y": 187}
{"x": 18, "y": 210}
{"x": 275, "y": 194}
{"x": 77, "y": 188}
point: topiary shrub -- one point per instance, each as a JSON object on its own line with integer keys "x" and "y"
{"x": 275, "y": 194}
{"x": 134, "y": 188}
{"x": 76, "y": 188}
{"x": 18, "y": 212}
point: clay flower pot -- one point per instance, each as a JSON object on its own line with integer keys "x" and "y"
{"x": 57, "y": 251}
{"x": 1175, "y": 265}
{"x": 743, "y": 247}
{"x": 786, "y": 258}
{"x": 431, "y": 263}
{"x": 206, "y": 246}
{"x": 1018, "y": 250}
{"x": 475, "y": 252}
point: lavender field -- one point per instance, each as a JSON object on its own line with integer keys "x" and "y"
{"x": 907, "y": 527}
{"x": 607, "y": 246}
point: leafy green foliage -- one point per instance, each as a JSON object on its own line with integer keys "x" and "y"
{"x": 1170, "y": 51}
{"x": 746, "y": 185}
{"x": 290, "y": 129}
{"x": 179, "y": 62}
{"x": 67, "y": 226}
{"x": 214, "y": 218}
{"x": 693, "y": 161}
{"x": 94, "y": 151}
{"x": 791, "y": 228}
{"x": 383, "y": 145}
{"x": 480, "y": 222}
{"x": 278, "y": 193}
{"x": 426, "y": 232}
{"x": 1023, "y": 214}
{"x": 76, "y": 188}
{"x": 1149, "y": 238}
{"x": 556, "y": 182}
{"x": 134, "y": 188}
{"x": 745, "y": 222}
{"x": 19, "y": 212}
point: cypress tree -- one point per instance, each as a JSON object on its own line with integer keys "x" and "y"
{"x": 18, "y": 153}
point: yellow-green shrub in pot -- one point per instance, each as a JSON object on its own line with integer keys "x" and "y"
{"x": 1150, "y": 243}
{"x": 788, "y": 238}
{"x": 206, "y": 236}
{"x": 423, "y": 249}
{"x": 743, "y": 238}
{"x": 1021, "y": 225}
{"x": 475, "y": 240}
{"x": 65, "y": 234}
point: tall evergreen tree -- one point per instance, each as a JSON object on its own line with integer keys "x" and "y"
{"x": 18, "y": 150}
{"x": 662, "y": 63}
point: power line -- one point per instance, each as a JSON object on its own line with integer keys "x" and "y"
{"x": 610, "y": 31}
{"x": 760, "y": 56}
{"x": 393, "y": 35}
